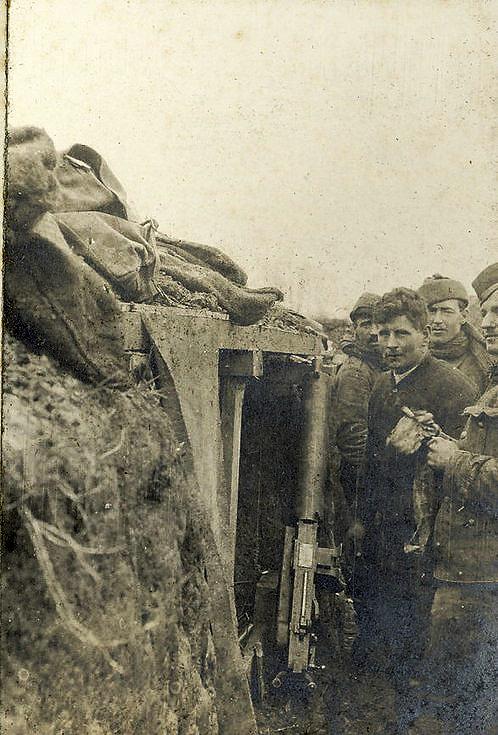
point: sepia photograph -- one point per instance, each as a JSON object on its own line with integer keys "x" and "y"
{"x": 249, "y": 396}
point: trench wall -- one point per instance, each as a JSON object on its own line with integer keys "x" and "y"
{"x": 105, "y": 611}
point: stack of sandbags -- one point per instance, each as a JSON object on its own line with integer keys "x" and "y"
{"x": 75, "y": 247}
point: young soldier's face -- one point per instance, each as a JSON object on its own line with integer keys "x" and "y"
{"x": 489, "y": 311}
{"x": 445, "y": 320}
{"x": 403, "y": 345}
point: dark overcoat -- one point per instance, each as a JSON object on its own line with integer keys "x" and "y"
{"x": 388, "y": 493}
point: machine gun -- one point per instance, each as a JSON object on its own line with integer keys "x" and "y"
{"x": 289, "y": 596}
{"x": 303, "y": 558}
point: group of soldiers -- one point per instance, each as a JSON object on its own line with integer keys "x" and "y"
{"x": 416, "y": 427}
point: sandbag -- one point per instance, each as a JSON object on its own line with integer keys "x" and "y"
{"x": 32, "y": 186}
{"x": 121, "y": 251}
{"x": 86, "y": 183}
{"x": 206, "y": 255}
{"x": 90, "y": 207}
{"x": 244, "y": 305}
{"x": 59, "y": 305}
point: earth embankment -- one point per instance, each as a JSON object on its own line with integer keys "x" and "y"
{"x": 105, "y": 601}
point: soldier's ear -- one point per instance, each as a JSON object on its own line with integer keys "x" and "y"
{"x": 426, "y": 333}
{"x": 464, "y": 314}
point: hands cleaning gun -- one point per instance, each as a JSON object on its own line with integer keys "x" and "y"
{"x": 410, "y": 436}
{"x": 425, "y": 421}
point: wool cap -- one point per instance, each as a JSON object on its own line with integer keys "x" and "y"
{"x": 367, "y": 302}
{"x": 486, "y": 282}
{"x": 439, "y": 288}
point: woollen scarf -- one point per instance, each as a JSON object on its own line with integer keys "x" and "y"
{"x": 452, "y": 350}
{"x": 370, "y": 356}
{"x": 469, "y": 339}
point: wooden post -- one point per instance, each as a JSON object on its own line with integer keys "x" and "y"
{"x": 188, "y": 370}
{"x": 232, "y": 399}
{"x": 236, "y": 367}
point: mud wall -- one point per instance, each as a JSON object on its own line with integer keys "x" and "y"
{"x": 105, "y": 606}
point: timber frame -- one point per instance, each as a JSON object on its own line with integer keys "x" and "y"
{"x": 202, "y": 363}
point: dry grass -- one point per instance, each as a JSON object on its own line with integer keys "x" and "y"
{"x": 105, "y": 607}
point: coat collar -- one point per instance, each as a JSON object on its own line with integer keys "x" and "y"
{"x": 405, "y": 376}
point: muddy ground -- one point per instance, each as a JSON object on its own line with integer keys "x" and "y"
{"x": 343, "y": 704}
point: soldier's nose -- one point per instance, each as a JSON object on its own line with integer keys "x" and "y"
{"x": 490, "y": 320}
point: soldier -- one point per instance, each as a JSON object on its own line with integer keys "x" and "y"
{"x": 452, "y": 338}
{"x": 398, "y": 606}
{"x": 354, "y": 382}
{"x": 461, "y": 658}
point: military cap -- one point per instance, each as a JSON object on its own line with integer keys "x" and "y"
{"x": 367, "y": 302}
{"x": 486, "y": 282}
{"x": 439, "y": 288}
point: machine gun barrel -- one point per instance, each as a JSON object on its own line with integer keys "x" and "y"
{"x": 313, "y": 460}
{"x": 303, "y": 559}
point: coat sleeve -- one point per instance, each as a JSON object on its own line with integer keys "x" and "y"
{"x": 371, "y": 474}
{"x": 353, "y": 391}
{"x": 458, "y": 396}
{"x": 475, "y": 479}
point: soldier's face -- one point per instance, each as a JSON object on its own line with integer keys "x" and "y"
{"x": 445, "y": 320}
{"x": 489, "y": 311}
{"x": 365, "y": 332}
{"x": 403, "y": 345}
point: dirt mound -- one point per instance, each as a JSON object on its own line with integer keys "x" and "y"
{"x": 105, "y": 602}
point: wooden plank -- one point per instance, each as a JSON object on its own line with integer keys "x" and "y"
{"x": 232, "y": 399}
{"x": 190, "y": 371}
{"x": 284, "y": 599}
{"x": 242, "y": 363}
{"x": 269, "y": 340}
{"x": 192, "y": 361}
{"x": 222, "y": 332}
{"x": 234, "y": 705}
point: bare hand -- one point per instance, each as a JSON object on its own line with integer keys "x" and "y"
{"x": 441, "y": 452}
{"x": 423, "y": 417}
